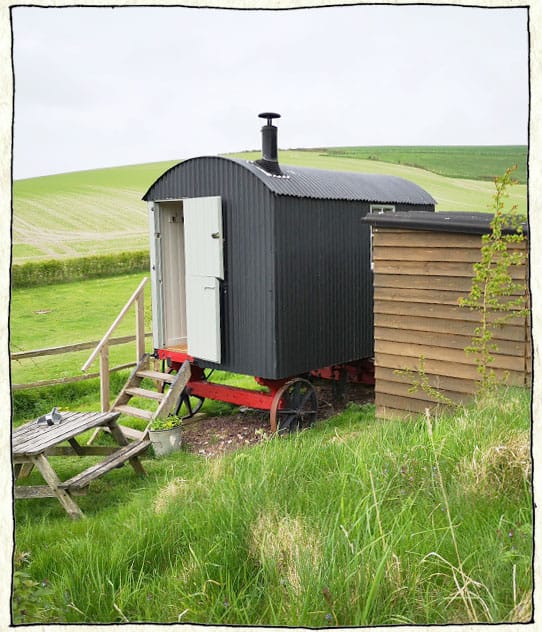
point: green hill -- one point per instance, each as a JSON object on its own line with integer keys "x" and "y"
{"x": 82, "y": 213}
{"x": 100, "y": 211}
{"x": 457, "y": 161}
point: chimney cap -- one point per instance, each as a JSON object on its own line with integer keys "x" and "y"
{"x": 269, "y": 116}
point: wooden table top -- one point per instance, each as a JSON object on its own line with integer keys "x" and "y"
{"x": 32, "y": 438}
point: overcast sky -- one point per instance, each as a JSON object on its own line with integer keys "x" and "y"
{"x": 98, "y": 87}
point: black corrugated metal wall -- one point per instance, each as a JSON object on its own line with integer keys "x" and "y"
{"x": 324, "y": 284}
{"x": 297, "y": 293}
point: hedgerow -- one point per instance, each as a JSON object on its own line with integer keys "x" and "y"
{"x": 37, "y": 273}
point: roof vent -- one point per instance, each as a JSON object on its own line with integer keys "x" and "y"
{"x": 269, "y": 160}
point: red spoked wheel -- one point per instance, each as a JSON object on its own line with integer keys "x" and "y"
{"x": 294, "y": 407}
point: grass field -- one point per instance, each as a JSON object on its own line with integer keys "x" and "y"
{"x": 473, "y": 163}
{"x": 68, "y": 313}
{"x": 101, "y": 211}
{"x": 80, "y": 213}
{"x": 57, "y": 315}
{"x": 354, "y": 522}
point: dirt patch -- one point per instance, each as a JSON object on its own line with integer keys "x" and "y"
{"x": 213, "y": 436}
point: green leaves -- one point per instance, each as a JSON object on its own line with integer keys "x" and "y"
{"x": 495, "y": 294}
{"x": 168, "y": 423}
{"x": 32, "y": 600}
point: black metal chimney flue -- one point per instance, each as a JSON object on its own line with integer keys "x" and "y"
{"x": 269, "y": 160}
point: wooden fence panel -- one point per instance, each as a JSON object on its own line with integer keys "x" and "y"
{"x": 80, "y": 346}
{"x": 419, "y": 277}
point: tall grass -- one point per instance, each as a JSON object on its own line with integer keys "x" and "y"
{"x": 354, "y": 522}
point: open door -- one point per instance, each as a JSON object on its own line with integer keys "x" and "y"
{"x": 167, "y": 274}
{"x": 204, "y": 268}
{"x": 186, "y": 268}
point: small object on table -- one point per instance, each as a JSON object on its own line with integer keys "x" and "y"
{"x": 50, "y": 419}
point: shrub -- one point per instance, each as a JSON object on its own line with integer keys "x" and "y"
{"x": 32, "y": 600}
{"x": 495, "y": 295}
{"x": 34, "y": 273}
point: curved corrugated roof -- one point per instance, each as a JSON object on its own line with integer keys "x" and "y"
{"x": 304, "y": 182}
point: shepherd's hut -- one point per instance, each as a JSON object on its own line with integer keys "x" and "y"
{"x": 265, "y": 269}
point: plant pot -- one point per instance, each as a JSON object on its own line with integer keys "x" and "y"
{"x": 165, "y": 441}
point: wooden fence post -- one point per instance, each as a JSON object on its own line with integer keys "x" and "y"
{"x": 140, "y": 326}
{"x": 104, "y": 378}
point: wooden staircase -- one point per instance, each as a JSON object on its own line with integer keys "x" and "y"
{"x": 140, "y": 441}
{"x": 166, "y": 400}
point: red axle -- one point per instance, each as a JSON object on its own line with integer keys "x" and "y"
{"x": 361, "y": 371}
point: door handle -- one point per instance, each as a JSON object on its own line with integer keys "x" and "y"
{"x": 215, "y": 235}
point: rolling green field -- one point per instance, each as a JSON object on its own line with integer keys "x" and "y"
{"x": 101, "y": 211}
{"x": 473, "y": 163}
{"x": 81, "y": 213}
{"x": 68, "y": 313}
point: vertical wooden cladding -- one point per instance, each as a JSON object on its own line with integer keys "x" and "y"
{"x": 419, "y": 277}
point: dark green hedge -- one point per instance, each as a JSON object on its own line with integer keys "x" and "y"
{"x": 63, "y": 270}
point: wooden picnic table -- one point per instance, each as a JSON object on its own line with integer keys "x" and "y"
{"x": 33, "y": 443}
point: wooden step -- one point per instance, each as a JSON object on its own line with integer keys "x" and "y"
{"x": 180, "y": 380}
{"x": 117, "y": 459}
{"x": 135, "y": 391}
{"x": 132, "y": 411}
{"x": 156, "y": 375}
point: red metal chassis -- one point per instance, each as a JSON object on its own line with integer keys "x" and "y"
{"x": 359, "y": 371}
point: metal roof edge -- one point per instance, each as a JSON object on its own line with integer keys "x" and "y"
{"x": 440, "y": 221}
{"x": 183, "y": 162}
{"x": 310, "y": 182}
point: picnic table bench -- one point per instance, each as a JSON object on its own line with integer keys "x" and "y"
{"x": 33, "y": 443}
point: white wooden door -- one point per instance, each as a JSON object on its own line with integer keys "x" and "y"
{"x": 203, "y": 317}
{"x": 203, "y": 237}
{"x": 204, "y": 267}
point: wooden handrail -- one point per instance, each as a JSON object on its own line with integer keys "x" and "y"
{"x": 103, "y": 342}
{"x": 138, "y": 297}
